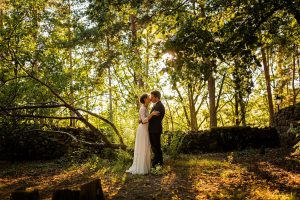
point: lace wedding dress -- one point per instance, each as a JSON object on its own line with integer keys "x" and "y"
{"x": 142, "y": 150}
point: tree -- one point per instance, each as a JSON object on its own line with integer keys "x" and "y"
{"x": 20, "y": 47}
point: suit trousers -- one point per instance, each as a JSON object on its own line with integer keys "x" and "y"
{"x": 156, "y": 148}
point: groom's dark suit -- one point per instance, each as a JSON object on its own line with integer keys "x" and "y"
{"x": 155, "y": 130}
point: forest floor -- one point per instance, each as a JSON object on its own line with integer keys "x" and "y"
{"x": 232, "y": 175}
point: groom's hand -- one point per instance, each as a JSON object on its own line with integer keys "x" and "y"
{"x": 141, "y": 122}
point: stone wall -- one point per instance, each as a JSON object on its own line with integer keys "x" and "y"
{"x": 31, "y": 145}
{"x": 284, "y": 119}
{"x": 221, "y": 139}
{"x": 27, "y": 143}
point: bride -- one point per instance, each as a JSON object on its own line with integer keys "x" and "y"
{"x": 142, "y": 150}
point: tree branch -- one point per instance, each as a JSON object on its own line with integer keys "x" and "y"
{"x": 41, "y": 116}
{"x": 31, "y": 107}
{"x": 220, "y": 91}
{"x": 202, "y": 101}
{"x": 205, "y": 118}
{"x": 70, "y": 107}
{"x": 3, "y": 82}
{"x": 184, "y": 107}
{"x": 107, "y": 121}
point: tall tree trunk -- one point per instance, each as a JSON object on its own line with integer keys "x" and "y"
{"x": 87, "y": 102}
{"x": 268, "y": 85}
{"x": 193, "y": 114}
{"x": 236, "y": 96}
{"x": 72, "y": 121}
{"x": 35, "y": 36}
{"x": 110, "y": 95}
{"x": 293, "y": 78}
{"x": 280, "y": 71}
{"x": 212, "y": 100}
{"x": 1, "y": 18}
{"x": 243, "y": 109}
{"x": 298, "y": 64}
{"x": 109, "y": 83}
{"x": 88, "y": 95}
{"x": 236, "y": 109}
{"x": 138, "y": 79}
{"x": 147, "y": 52}
{"x": 211, "y": 87}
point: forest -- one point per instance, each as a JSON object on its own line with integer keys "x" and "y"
{"x": 82, "y": 65}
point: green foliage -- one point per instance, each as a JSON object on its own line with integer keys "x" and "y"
{"x": 119, "y": 160}
{"x": 192, "y": 45}
{"x": 172, "y": 142}
{"x": 297, "y": 146}
{"x": 123, "y": 160}
{"x": 77, "y": 46}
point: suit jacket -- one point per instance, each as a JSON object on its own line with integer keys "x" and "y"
{"x": 155, "y": 123}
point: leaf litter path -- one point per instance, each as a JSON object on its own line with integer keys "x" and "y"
{"x": 232, "y": 175}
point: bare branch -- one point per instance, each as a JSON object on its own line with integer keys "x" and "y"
{"x": 220, "y": 91}
{"x": 31, "y": 107}
{"x": 205, "y": 118}
{"x": 41, "y": 116}
{"x": 105, "y": 120}
{"x": 3, "y": 82}
{"x": 184, "y": 107}
{"x": 202, "y": 101}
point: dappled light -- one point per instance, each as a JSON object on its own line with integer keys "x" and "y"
{"x": 168, "y": 56}
{"x": 151, "y": 99}
{"x": 221, "y": 175}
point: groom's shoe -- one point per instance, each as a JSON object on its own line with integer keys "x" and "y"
{"x": 157, "y": 165}
{"x": 153, "y": 165}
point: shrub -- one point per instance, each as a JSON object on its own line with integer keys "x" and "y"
{"x": 172, "y": 142}
{"x": 296, "y": 132}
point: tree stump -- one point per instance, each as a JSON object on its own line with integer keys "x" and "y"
{"x": 66, "y": 194}
{"x": 92, "y": 191}
{"x": 25, "y": 195}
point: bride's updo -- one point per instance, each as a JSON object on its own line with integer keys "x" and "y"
{"x": 143, "y": 97}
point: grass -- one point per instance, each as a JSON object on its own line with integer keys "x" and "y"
{"x": 233, "y": 175}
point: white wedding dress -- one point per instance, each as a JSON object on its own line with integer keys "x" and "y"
{"x": 142, "y": 149}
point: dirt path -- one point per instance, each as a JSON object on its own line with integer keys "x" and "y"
{"x": 219, "y": 176}
{"x": 237, "y": 175}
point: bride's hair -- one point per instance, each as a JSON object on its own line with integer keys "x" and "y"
{"x": 143, "y": 97}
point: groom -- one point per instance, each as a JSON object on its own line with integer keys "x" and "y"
{"x": 155, "y": 128}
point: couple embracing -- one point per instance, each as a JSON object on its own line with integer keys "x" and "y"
{"x": 148, "y": 135}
